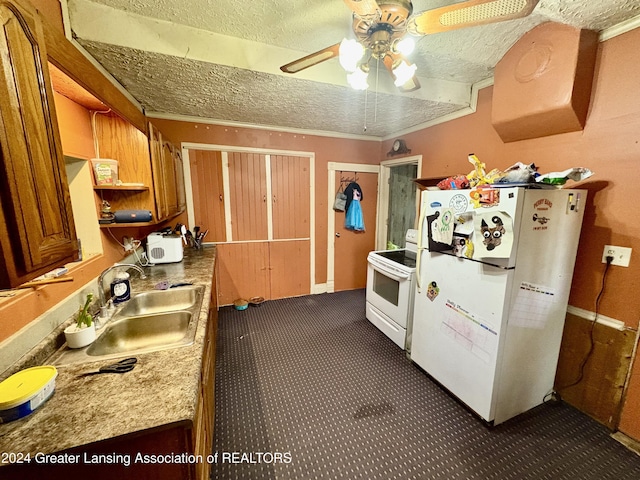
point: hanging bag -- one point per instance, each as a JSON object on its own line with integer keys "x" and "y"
{"x": 341, "y": 201}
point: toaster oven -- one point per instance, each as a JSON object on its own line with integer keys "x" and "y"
{"x": 164, "y": 248}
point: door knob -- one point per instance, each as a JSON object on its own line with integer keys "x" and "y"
{"x": 338, "y": 234}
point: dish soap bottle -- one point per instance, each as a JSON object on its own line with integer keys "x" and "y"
{"x": 120, "y": 288}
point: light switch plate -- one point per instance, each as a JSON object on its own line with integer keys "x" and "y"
{"x": 621, "y": 255}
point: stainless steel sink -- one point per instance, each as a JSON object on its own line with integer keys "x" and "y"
{"x": 149, "y": 321}
{"x": 130, "y": 334}
{"x": 155, "y": 301}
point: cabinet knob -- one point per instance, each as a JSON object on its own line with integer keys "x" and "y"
{"x": 338, "y": 234}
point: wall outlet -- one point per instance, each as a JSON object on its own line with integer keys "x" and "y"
{"x": 621, "y": 255}
{"x": 128, "y": 244}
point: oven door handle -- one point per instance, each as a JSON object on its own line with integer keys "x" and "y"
{"x": 394, "y": 273}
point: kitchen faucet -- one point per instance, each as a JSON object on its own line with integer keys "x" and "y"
{"x": 101, "y": 295}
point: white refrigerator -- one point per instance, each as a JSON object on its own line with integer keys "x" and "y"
{"x": 494, "y": 272}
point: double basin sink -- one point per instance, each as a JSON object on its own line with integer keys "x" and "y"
{"x": 149, "y": 321}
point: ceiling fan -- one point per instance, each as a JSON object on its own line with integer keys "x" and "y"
{"x": 381, "y": 29}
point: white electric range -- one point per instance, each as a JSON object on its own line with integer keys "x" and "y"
{"x": 390, "y": 290}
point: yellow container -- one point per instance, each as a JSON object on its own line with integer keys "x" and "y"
{"x": 23, "y": 392}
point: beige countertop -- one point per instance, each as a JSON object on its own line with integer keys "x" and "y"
{"x": 161, "y": 390}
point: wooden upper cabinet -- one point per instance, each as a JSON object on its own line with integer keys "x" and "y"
{"x": 153, "y": 162}
{"x": 37, "y": 232}
{"x": 169, "y": 168}
{"x": 157, "y": 167}
{"x": 168, "y": 177}
{"x": 180, "y": 187}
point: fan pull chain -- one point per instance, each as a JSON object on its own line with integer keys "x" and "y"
{"x": 375, "y": 108}
{"x": 365, "y": 109}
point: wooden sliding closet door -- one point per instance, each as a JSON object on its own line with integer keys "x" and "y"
{"x": 290, "y": 184}
{"x": 208, "y": 193}
{"x": 248, "y": 196}
{"x": 289, "y": 252}
{"x": 263, "y": 234}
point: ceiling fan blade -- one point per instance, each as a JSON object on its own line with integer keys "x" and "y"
{"x": 312, "y": 59}
{"x": 468, "y": 14}
{"x": 365, "y": 9}
{"x": 389, "y": 60}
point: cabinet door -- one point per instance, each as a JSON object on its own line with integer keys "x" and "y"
{"x": 159, "y": 185}
{"x": 169, "y": 169}
{"x": 37, "y": 230}
{"x": 180, "y": 189}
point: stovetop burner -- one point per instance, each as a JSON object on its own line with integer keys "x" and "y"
{"x": 401, "y": 256}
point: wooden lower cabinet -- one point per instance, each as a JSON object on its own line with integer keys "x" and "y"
{"x": 204, "y": 423}
{"x": 121, "y": 458}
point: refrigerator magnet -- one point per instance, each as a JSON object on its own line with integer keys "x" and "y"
{"x": 484, "y": 197}
{"x": 442, "y": 227}
{"x": 494, "y": 234}
{"x": 468, "y": 250}
{"x": 432, "y": 291}
{"x": 459, "y": 203}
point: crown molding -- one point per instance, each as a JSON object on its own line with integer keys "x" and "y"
{"x": 229, "y": 123}
{"x": 620, "y": 28}
{"x": 473, "y": 104}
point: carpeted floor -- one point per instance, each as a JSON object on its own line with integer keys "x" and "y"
{"x": 307, "y": 388}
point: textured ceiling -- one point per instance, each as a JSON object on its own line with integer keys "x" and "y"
{"x": 196, "y": 58}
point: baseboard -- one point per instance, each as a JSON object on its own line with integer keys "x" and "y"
{"x": 627, "y": 441}
{"x": 319, "y": 288}
{"x": 588, "y": 315}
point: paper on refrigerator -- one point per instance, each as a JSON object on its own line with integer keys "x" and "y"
{"x": 493, "y": 235}
{"x": 442, "y": 227}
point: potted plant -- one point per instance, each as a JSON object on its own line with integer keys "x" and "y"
{"x": 83, "y": 331}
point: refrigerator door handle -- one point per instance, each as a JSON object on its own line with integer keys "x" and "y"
{"x": 423, "y": 214}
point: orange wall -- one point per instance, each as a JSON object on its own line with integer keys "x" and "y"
{"x": 609, "y": 146}
{"x": 326, "y": 149}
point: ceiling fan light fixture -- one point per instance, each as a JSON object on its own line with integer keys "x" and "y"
{"x": 405, "y": 46}
{"x": 358, "y": 79}
{"x": 403, "y": 73}
{"x": 351, "y": 52}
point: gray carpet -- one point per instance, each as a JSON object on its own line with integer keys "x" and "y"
{"x": 307, "y": 388}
